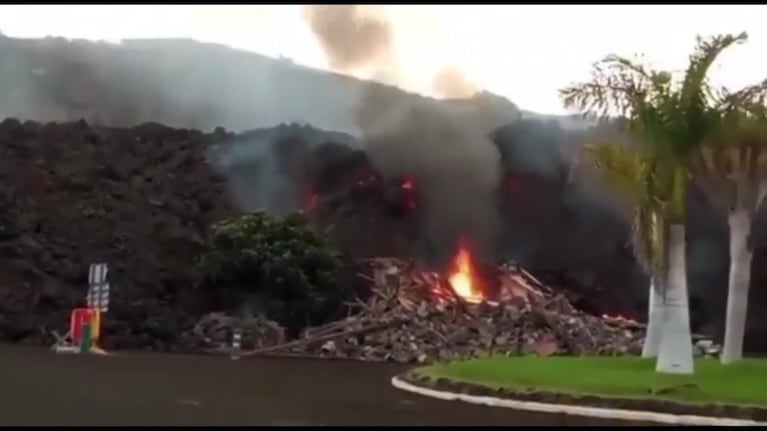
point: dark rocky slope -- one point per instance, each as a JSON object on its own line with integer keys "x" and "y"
{"x": 142, "y": 199}
{"x": 154, "y": 179}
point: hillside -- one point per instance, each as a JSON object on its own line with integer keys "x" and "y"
{"x": 143, "y": 197}
{"x": 180, "y": 83}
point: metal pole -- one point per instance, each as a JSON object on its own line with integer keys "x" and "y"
{"x": 236, "y": 343}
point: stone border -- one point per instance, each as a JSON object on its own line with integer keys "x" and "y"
{"x": 406, "y": 384}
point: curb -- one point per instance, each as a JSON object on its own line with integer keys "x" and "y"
{"x": 595, "y": 412}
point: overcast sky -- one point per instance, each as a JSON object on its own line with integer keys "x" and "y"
{"x": 522, "y": 52}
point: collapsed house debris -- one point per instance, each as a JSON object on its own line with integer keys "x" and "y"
{"x": 416, "y": 315}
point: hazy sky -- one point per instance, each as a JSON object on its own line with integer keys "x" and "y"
{"x": 522, "y": 52}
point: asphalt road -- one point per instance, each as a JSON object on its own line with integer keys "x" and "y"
{"x": 38, "y": 387}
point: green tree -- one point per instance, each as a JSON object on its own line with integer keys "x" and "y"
{"x": 670, "y": 121}
{"x": 632, "y": 175}
{"x": 287, "y": 268}
{"x": 731, "y": 167}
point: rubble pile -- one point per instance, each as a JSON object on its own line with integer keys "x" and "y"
{"x": 216, "y": 330}
{"x": 415, "y": 316}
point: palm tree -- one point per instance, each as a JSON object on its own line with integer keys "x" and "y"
{"x": 671, "y": 120}
{"x": 632, "y": 175}
{"x": 733, "y": 174}
{"x": 732, "y": 169}
{"x": 658, "y": 243}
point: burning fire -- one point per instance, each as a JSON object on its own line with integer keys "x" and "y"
{"x": 463, "y": 276}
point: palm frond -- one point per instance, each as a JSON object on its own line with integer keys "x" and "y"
{"x": 622, "y": 167}
{"x": 696, "y": 96}
{"x": 644, "y": 97}
{"x": 750, "y": 102}
{"x": 683, "y": 127}
{"x": 731, "y": 165}
{"x": 701, "y": 60}
{"x": 637, "y": 179}
{"x": 617, "y": 86}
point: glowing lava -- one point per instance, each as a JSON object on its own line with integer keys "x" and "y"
{"x": 311, "y": 202}
{"x": 619, "y": 319}
{"x": 409, "y": 193}
{"x": 462, "y": 278}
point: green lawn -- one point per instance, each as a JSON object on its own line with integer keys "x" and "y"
{"x": 741, "y": 383}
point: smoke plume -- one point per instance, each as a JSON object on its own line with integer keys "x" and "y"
{"x": 349, "y": 47}
{"x": 445, "y": 146}
{"x": 451, "y": 82}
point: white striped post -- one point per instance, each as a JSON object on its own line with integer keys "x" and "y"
{"x": 98, "y": 288}
{"x": 236, "y": 343}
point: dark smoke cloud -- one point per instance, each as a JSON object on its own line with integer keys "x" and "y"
{"x": 444, "y": 145}
{"x": 453, "y": 83}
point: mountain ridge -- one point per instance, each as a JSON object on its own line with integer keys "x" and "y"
{"x": 186, "y": 83}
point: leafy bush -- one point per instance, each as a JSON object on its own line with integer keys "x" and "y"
{"x": 289, "y": 266}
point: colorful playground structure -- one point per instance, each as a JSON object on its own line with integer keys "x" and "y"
{"x": 85, "y": 322}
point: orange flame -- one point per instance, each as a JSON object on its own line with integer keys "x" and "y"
{"x": 462, "y": 278}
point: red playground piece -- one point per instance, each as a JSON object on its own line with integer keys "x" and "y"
{"x": 81, "y": 316}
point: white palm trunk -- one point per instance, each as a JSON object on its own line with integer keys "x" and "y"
{"x": 654, "y": 320}
{"x": 675, "y": 354}
{"x": 739, "y": 283}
